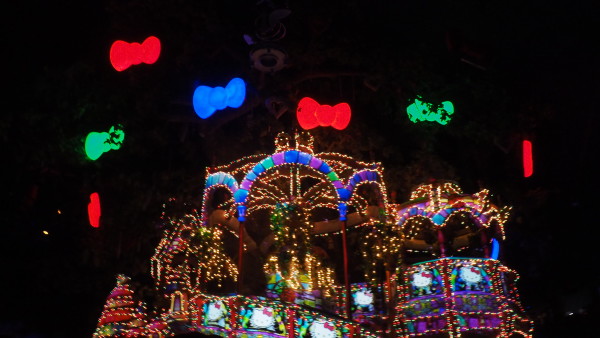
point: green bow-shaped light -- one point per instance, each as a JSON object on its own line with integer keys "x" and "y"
{"x": 424, "y": 111}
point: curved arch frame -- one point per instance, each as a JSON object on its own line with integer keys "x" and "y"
{"x": 367, "y": 176}
{"x": 289, "y": 157}
{"x": 213, "y": 182}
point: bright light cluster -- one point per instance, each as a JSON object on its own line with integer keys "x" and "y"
{"x": 122, "y": 314}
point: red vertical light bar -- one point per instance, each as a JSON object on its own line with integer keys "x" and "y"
{"x": 527, "y": 159}
{"x": 94, "y": 211}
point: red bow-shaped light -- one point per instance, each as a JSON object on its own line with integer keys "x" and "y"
{"x": 311, "y": 114}
{"x": 124, "y": 54}
{"x": 328, "y": 326}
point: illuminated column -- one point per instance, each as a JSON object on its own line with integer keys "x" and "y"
{"x": 234, "y": 305}
{"x": 241, "y": 218}
{"x": 343, "y": 211}
{"x": 527, "y": 159}
{"x": 441, "y": 242}
{"x": 291, "y": 318}
{"x": 450, "y": 313}
{"x": 484, "y": 243}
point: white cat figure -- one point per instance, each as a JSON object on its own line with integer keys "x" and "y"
{"x": 472, "y": 277}
{"x": 422, "y": 281}
{"x": 322, "y": 329}
{"x": 363, "y": 299}
{"x": 262, "y": 318}
{"x": 216, "y": 311}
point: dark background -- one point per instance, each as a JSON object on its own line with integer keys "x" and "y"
{"x": 514, "y": 70}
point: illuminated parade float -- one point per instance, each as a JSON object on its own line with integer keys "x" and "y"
{"x": 274, "y": 251}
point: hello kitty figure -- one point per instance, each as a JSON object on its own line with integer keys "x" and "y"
{"x": 363, "y": 299}
{"x": 322, "y": 329}
{"x": 216, "y": 313}
{"x": 262, "y": 318}
{"x": 422, "y": 282}
{"x": 472, "y": 277}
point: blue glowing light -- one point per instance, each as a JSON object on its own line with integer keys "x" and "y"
{"x": 495, "y": 249}
{"x": 208, "y": 100}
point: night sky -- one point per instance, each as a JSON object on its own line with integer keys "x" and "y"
{"x": 514, "y": 70}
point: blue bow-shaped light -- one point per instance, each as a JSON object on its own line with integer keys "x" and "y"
{"x": 207, "y": 100}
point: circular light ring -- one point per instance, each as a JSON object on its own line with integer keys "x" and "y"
{"x": 268, "y": 59}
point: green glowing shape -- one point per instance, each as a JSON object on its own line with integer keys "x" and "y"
{"x": 424, "y": 111}
{"x": 97, "y": 144}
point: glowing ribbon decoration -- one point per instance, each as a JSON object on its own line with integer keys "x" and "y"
{"x": 94, "y": 211}
{"x": 124, "y": 54}
{"x": 311, "y": 114}
{"x": 207, "y": 100}
{"x": 424, "y": 111}
{"x": 527, "y": 159}
{"x": 97, "y": 144}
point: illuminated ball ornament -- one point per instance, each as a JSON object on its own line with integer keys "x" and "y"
{"x": 311, "y": 114}
{"x": 124, "y": 54}
{"x": 420, "y": 111}
{"x": 97, "y": 143}
{"x": 208, "y": 100}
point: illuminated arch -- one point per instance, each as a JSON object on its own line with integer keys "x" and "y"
{"x": 221, "y": 178}
{"x": 179, "y": 302}
{"x": 416, "y": 210}
{"x": 289, "y": 157}
{"x": 218, "y": 180}
{"x": 478, "y": 206}
{"x": 440, "y": 217}
{"x": 367, "y": 177}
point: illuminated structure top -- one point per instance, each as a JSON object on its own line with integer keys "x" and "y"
{"x": 263, "y": 257}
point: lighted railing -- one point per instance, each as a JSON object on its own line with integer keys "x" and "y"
{"x": 257, "y": 316}
{"x": 459, "y": 295}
